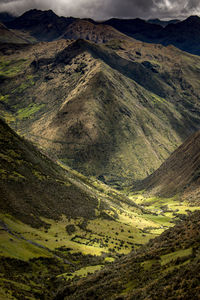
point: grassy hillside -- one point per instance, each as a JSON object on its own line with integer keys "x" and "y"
{"x": 56, "y": 224}
{"x": 115, "y": 111}
{"x": 166, "y": 268}
{"x": 179, "y": 174}
{"x": 29, "y": 182}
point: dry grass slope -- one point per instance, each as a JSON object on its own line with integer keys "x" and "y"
{"x": 179, "y": 174}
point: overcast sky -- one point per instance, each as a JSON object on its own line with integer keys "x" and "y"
{"x": 104, "y": 9}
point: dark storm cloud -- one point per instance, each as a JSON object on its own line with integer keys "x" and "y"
{"x": 102, "y": 9}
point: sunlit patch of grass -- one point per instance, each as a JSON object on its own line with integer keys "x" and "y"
{"x": 8, "y": 117}
{"x": 10, "y": 68}
{"x": 156, "y": 99}
{"x": 83, "y": 272}
{"x": 4, "y": 98}
{"x": 16, "y": 176}
{"x": 129, "y": 286}
{"x": 159, "y": 219}
{"x": 28, "y": 111}
{"x": 99, "y": 236}
{"x": 109, "y": 259}
{"x": 5, "y": 295}
{"x": 10, "y": 246}
{"x": 173, "y": 255}
{"x": 164, "y": 206}
{"x": 148, "y": 264}
{"x": 39, "y": 175}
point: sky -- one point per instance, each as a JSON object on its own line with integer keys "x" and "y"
{"x": 105, "y": 9}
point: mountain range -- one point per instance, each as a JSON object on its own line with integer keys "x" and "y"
{"x": 163, "y": 23}
{"x": 182, "y": 34}
{"x": 99, "y": 158}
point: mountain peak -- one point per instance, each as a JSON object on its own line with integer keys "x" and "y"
{"x": 193, "y": 17}
{"x": 192, "y": 20}
{"x": 36, "y": 13}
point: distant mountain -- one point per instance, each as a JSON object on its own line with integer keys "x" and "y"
{"x": 179, "y": 174}
{"x": 6, "y": 17}
{"x": 42, "y": 25}
{"x": 166, "y": 268}
{"x": 185, "y": 35}
{"x": 135, "y": 27}
{"x": 47, "y": 26}
{"x": 98, "y": 33}
{"x": 163, "y": 23}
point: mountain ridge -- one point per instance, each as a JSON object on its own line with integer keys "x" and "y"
{"x": 183, "y": 34}
{"x": 101, "y": 89}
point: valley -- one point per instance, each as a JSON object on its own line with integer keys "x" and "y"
{"x": 78, "y": 243}
{"x": 99, "y": 159}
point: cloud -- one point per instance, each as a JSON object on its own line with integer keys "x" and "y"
{"x": 103, "y": 9}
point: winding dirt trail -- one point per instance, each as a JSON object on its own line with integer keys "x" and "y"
{"x": 5, "y": 227}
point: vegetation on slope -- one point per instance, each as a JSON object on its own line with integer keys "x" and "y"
{"x": 115, "y": 111}
{"x": 56, "y": 224}
{"x": 10, "y": 36}
{"x": 179, "y": 174}
{"x": 167, "y": 267}
{"x": 111, "y": 111}
{"x": 30, "y": 181}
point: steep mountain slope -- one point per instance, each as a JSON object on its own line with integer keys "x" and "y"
{"x": 9, "y": 36}
{"x": 29, "y": 182}
{"x": 166, "y": 268}
{"x": 179, "y": 173}
{"x": 116, "y": 111}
